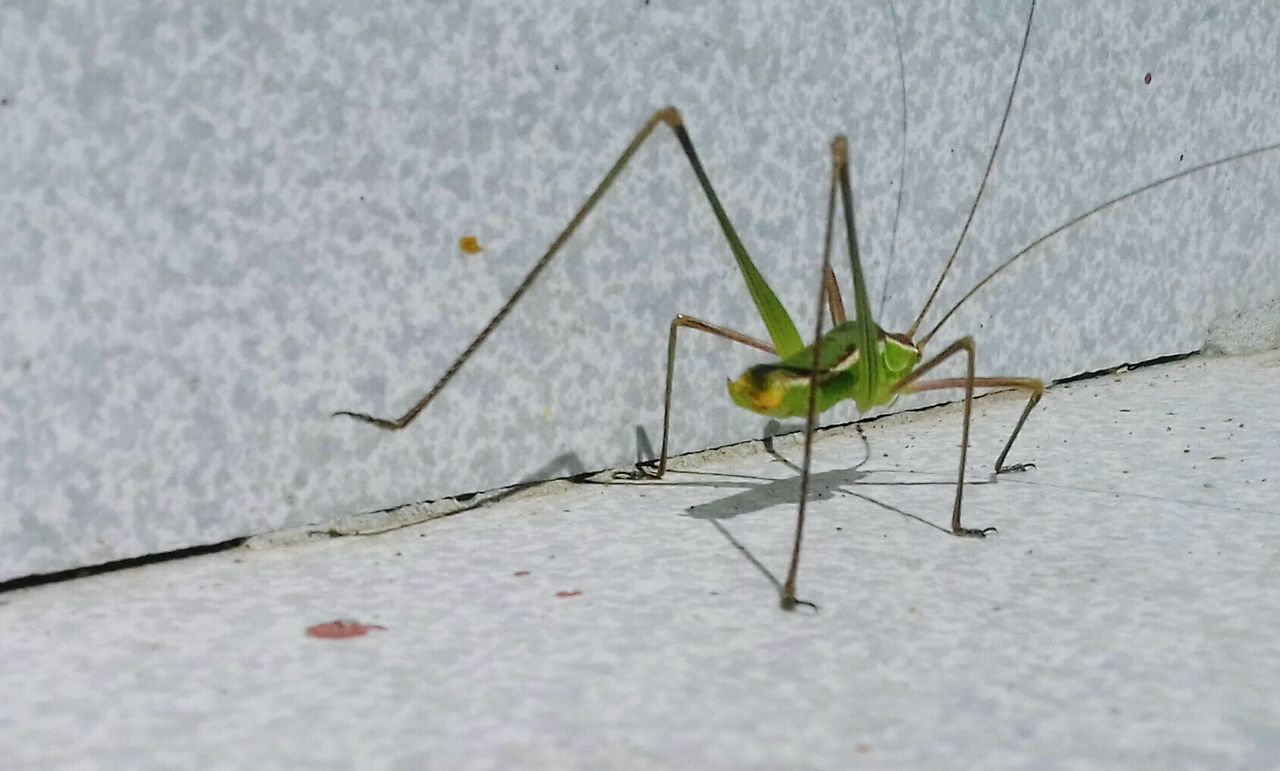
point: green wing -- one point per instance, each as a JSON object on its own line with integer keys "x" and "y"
{"x": 837, "y": 345}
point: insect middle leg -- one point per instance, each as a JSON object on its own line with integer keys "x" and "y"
{"x": 829, "y": 294}
{"x": 690, "y": 322}
{"x": 1033, "y": 386}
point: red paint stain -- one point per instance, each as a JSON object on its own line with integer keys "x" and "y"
{"x": 1147, "y": 79}
{"x": 520, "y": 573}
{"x": 574, "y": 593}
{"x": 341, "y": 630}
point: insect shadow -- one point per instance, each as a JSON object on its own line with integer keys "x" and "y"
{"x": 757, "y": 493}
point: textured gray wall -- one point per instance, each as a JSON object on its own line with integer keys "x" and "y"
{"x": 219, "y": 225}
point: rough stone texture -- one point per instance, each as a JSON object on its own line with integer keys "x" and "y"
{"x": 1123, "y": 617}
{"x": 1245, "y": 331}
{"x": 221, "y": 223}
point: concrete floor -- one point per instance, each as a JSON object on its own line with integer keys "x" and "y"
{"x": 1125, "y": 616}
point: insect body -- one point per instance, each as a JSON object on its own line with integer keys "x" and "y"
{"x": 782, "y": 390}
{"x": 855, "y": 360}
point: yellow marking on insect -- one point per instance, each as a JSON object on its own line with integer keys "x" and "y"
{"x": 758, "y": 397}
{"x": 767, "y": 399}
{"x": 469, "y": 245}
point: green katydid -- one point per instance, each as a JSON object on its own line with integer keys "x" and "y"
{"x": 856, "y": 360}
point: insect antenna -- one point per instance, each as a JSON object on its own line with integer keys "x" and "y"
{"x": 902, "y": 161}
{"x": 1086, "y": 215}
{"x": 995, "y": 148}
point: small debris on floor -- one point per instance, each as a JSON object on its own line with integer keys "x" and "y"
{"x": 341, "y": 629}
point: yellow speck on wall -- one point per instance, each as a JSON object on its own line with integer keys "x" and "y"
{"x": 469, "y": 245}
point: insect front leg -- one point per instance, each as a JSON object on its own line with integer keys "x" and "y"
{"x": 909, "y": 384}
{"x": 1033, "y": 386}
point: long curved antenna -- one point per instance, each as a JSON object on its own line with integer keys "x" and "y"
{"x": 1017, "y": 73}
{"x": 1095, "y": 210}
{"x": 902, "y": 162}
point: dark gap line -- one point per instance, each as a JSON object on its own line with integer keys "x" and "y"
{"x": 40, "y": 579}
{"x": 1108, "y": 370}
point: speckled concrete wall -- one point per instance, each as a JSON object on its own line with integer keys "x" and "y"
{"x": 218, "y": 225}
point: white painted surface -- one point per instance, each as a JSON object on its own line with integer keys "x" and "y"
{"x": 222, "y": 223}
{"x": 1124, "y": 617}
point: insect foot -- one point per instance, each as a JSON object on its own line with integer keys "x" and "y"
{"x": 390, "y": 425}
{"x": 973, "y": 532}
{"x": 638, "y": 474}
{"x": 790, "y": 603}
{"x": 1015, "y": 467}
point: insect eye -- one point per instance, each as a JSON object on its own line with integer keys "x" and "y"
{"x": 898, "y": 358}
